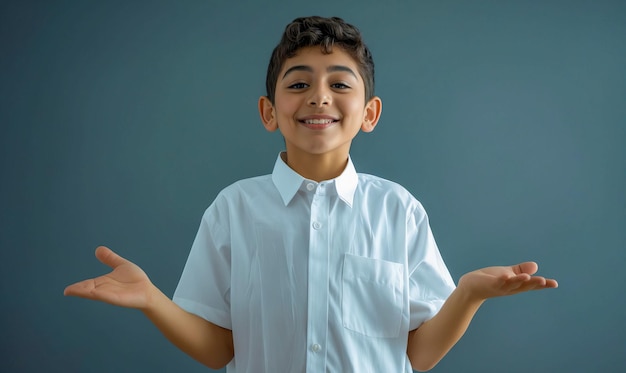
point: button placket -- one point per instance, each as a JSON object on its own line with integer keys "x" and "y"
{"x": 317, "y": 324}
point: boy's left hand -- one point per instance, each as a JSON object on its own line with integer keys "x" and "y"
{"x": 493, "y": 282}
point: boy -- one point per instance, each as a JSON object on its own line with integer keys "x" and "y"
{"x": 314, "y": 267}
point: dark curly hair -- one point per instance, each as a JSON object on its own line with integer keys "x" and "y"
{"x": 325, "y": 32}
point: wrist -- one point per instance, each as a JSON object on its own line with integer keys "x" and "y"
{"x": 154, "y": 297}
{"x": 467, "y": 295}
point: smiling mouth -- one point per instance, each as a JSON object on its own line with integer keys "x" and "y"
{"x": 318, "y": 124}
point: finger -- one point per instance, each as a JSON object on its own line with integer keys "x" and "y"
{"x": 537, "y": 283}
{"x": 516, "y": 282}
{"x": 109, "y": 257}
{"x": 526, "y": 267}
{"x": 551, "y": 283}
{"x": 93, "y": 289}
{"x": 80, "y": 289}
{"x": 548, "y": 284}
{"x": 524, "y": 282}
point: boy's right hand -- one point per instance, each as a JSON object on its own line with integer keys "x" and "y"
{"x": 127, "y": 285}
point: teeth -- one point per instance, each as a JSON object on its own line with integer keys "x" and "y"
{"x": 318, "y": 121}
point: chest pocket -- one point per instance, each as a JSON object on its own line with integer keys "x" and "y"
{"x": 372, "y": 297}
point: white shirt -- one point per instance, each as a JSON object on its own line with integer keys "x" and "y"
{"x": 315, "y": 277}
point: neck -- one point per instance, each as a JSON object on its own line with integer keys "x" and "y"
{"x": 317, "y": 167}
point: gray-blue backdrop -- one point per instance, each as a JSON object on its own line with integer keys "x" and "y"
{"x": 121, "y": 120}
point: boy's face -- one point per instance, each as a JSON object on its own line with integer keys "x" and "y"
{"x": 319, "y": 104}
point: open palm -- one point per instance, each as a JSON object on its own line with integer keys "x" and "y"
{"x": 127, "y": 285}
{"x": 504, "y": 280}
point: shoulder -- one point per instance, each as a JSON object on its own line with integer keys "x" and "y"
{"x": 247, "y": 185}
{"x": 387, "y": 191}
{"x": 244, "y": 189}
{"x": 378, "y": 185}
{"x": 236, "y": 200}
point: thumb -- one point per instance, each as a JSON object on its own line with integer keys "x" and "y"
{"x": 109, "y": 257}
{"x": 526, "y": 267}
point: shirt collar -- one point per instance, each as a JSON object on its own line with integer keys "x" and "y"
{"x": 287, "y": 181}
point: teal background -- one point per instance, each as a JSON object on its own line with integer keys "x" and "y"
{"x": 121, "y": 121}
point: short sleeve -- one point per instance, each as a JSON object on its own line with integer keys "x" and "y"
{"x": 204, "y": 286}
{"x": 430, "y": 282}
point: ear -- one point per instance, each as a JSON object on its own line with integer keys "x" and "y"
{"x": 373, "y": 109}
{"x": 266, "y": 111}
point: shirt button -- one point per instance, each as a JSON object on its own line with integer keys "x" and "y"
{"x": 316, "y": 347}
{"x": 310, "y": 186}
{"x": 317, "y": 225}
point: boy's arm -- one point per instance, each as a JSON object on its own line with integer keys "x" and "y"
{"x": 432, "y": 340}
{"x": 128, "y": 286}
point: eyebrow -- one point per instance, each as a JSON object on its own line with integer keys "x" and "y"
{"x": 330, "y": 69}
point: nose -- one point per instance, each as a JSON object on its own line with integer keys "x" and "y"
{"x": 319, "y": 97}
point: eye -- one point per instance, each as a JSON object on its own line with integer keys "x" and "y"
{"x": 340, "y": 85}
{"x": 298, "y": 86}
